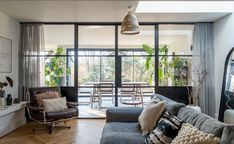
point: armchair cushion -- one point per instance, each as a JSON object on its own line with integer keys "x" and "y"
{"x": 46, "y": 95}
{"x": 55, "y": 104}
{"x": 67, "y": 113}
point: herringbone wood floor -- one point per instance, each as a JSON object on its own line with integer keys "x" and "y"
{"x": 83, "y": 131}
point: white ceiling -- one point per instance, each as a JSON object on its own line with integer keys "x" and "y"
{"x": 91, "y": 11}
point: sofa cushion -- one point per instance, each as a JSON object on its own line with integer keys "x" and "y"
{"x": 150, "y": 115}
{"x": 189, "y": 134}
{"x": 46, "y": 95}
{"x": 122, "y": 133}
{"x": 173, "y": 107}
{"x": 201, "y": 121}
{"x": 165, "y": 131}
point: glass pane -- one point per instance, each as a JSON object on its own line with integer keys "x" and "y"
{"x": 57, "y": 71}
{"x": 175, "y": 39}
{"x": 88, "y": 70}
{"x": 174, "y": 71}
{"x": 143, "y": 73}
{"x": 96, "y": 67}
{"x": 59, "y": 39}
{"x": 107, "y": 69}
{"x": 133, "y": 44}
{"x": 101, "y": 37}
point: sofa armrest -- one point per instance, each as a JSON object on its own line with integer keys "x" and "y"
{"x": 123, "y": 114}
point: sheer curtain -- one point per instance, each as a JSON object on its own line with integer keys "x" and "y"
{"x": 32, "y": 44}
{"x": 203, "y": 67}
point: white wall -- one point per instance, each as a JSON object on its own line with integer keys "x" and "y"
{"x": 223, "y": 42}
{"x": 10, "y": 28}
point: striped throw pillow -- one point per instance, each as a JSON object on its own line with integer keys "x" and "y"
{"x": 165, "y": 131}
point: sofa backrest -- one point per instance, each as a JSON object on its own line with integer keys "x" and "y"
{"x": 205, "y": 123}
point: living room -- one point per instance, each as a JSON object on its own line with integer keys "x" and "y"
{"x": 116, "y": 71}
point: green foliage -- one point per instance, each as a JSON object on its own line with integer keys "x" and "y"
{"x": 55, "y": 68}
{"x": 166, "y": 67}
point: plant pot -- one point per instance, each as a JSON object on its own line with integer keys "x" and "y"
{"x": 2, "y": 93}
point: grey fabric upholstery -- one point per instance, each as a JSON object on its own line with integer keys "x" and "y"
{"x": 227, "y": 136}
{"x": 123, "y": 114}
{"x": 174, "y": 107}
{"x": 122, "y": 124}
{"x": 122, "y": 133}
{"x": 202, "y": 121}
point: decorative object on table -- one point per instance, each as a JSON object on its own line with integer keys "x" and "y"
{"x": 16, "y": 101}
{"x": 5, "y": 55}
{"x": 130, "y": 25}
{"x": 229, "y": 116}
{"x": 9, "y": 100}
{"x": 197, "y": 82}
{"x": 3, "y": 102}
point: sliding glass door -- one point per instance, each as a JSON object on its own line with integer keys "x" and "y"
{"x": 110, "y": 69}
{"x": 137, "y": 55}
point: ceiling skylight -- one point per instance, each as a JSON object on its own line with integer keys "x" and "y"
{"x": 185, "y": 6}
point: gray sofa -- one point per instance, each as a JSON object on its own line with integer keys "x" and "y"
{"x": 122, "y": 124}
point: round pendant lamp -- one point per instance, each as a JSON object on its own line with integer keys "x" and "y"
{"x": 130, "y": 25}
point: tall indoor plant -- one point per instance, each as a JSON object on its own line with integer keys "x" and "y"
{"x": 55, "y": 68}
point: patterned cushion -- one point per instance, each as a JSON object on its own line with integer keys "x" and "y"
{"x": 166, "y": 130}
{"x": 56, "y": 104}
{"x": 46, "y": 95}
{"x": 150, "y": 115}
{"x": 189, "y": 134}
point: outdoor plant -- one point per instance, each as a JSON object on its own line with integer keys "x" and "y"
{"x": 55, "y": 68}
{"x": 165, "y": 72}
{"x": 167, "y": 66}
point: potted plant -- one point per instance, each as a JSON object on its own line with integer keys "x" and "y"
{"x": 55, "y": 68}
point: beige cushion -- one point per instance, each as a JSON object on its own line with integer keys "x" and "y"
{"x": 56, "y": 104}
{"x": 46, "y": 95}
{"x": 189, "y": 134}
{"x": 150, "y": 115}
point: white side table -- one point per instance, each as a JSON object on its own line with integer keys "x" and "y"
{"x": 229, "y": 116}
{"x": 197, "y": 108}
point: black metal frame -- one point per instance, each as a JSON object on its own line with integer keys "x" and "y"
{"x": 117, "y": 56}
{"x": 223, "y": 99}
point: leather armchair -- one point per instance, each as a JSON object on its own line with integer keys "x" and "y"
{"x": 51, "y": 119}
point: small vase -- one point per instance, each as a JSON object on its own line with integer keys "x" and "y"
{"x": 9, "y": 100}
{"x": 2, "y": 93}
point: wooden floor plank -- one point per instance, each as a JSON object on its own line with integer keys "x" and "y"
{"x": 83, "y": 131}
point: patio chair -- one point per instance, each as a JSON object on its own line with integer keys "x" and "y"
{"x": 95, "y": 96}
{"x": 127, "y": 90}
{"x": 106, "y": 88}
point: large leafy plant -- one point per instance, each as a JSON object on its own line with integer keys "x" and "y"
{"x": 166, "y": 65}
{"x": 164, "y": 70}
{"x": 55, "y": 68}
